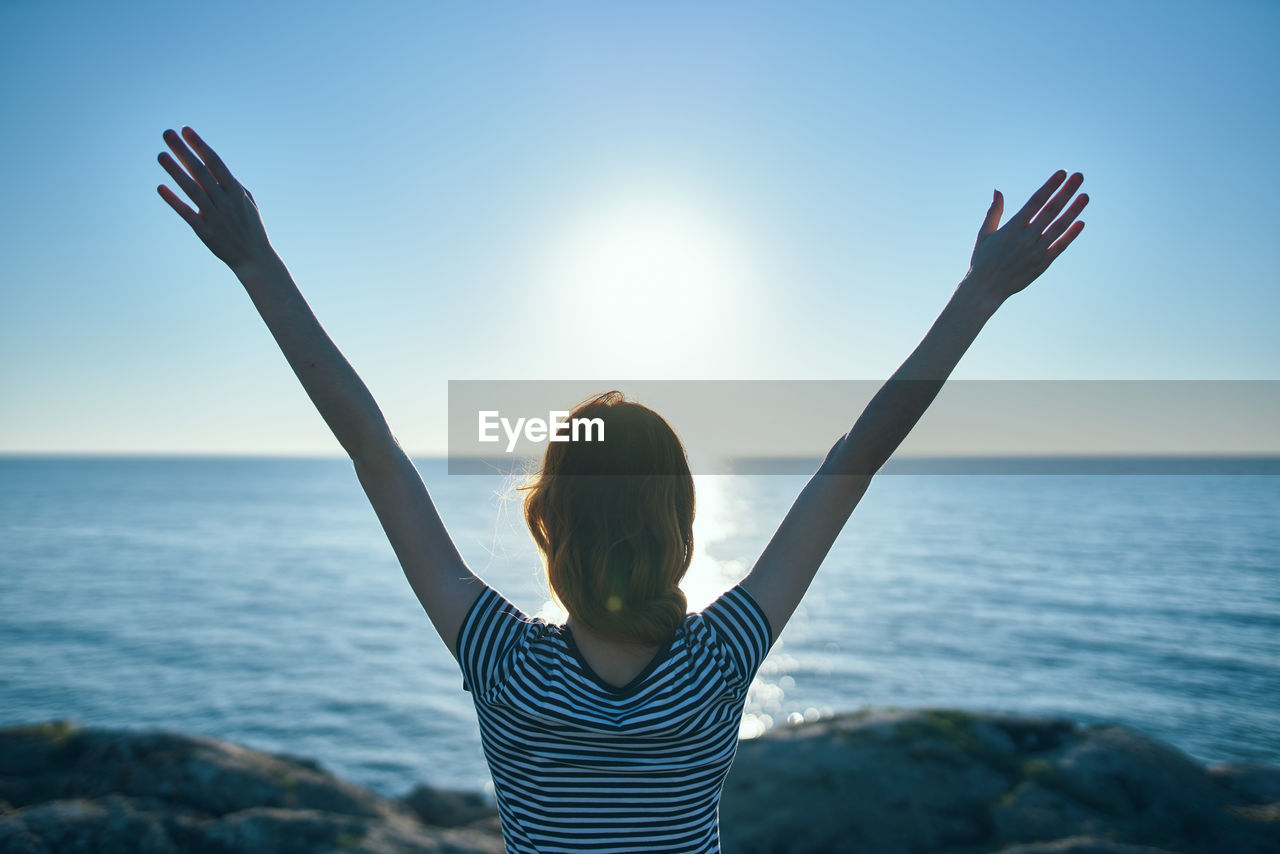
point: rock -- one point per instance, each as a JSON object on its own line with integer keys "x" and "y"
{"x": 1142, "y": 790}
{"x": 892, "y": 781}
{"x": 64, "y": 825}
{"x": 443, "y": 808}
{"x": 938, "y": 781}
{"x": 1031, "y": 811}
{"x": 205, "y": 774}
{"x": 1252, "y": 781}
{"x": 106, "y": 791}
{"x": 1081, "y": 845}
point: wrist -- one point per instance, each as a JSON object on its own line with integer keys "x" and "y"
{"x": 259, "y": 266}
{"x": 980, "y": 294}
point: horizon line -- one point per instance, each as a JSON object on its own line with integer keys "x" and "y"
{"x": 1266, "y": 464}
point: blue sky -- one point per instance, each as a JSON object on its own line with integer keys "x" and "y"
{"x": 616, "y": 191}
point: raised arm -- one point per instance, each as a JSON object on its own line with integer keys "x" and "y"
{"x": 226, "y": 219}
{"x": 1005, "y": 261}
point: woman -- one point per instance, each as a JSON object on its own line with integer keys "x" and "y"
{"x": 613, "y": 732}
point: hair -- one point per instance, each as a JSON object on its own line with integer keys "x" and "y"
{"x": 614, "y": 522}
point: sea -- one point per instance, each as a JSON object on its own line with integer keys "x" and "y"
{"x": 256, "y": 599}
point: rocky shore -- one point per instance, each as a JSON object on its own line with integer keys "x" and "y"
{"x": 873, "y": 781}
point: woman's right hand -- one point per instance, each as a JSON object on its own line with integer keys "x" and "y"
{"x": 227, "y": 218}
{"x": 1007, "y": 259}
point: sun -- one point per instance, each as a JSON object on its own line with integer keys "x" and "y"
{"x": 647, "y": 269}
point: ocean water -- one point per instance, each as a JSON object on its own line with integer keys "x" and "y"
{"x": 258, "y": 600}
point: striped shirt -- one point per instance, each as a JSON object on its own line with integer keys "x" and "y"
{"x": 580, "y": 765}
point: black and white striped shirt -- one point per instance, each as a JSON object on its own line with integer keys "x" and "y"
{"x": 580, "y": 765}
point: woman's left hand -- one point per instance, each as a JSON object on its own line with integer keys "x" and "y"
{"x": 1006, "y": 259}
{"x": 227, "y": 218}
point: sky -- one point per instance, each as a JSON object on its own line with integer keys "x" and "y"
{"x": 613, "y": 192}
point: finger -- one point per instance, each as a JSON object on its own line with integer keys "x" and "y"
{"x": 209, "y": 156}
{"x": 1057, "y": 203}
{"x": 1063, "y": 242}
{"x": 1036, "y": 202}
{"x": 193, "y": 164}
{"x": 1060, "y": 225}
{"x": 184, "y": 211}
{"x": 193, "y": 190}
{"x": 992, "y": 221}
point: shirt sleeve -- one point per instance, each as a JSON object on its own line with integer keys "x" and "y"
{"x": 489, "y": 631}
{"x": 743, "y": 632}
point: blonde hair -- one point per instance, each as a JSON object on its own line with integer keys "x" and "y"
{"x": 614, "y": 522}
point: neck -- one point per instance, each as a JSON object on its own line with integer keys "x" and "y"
{"x": 580, "y": 630}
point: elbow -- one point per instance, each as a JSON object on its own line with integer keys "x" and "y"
{"x": 850, "y": 457}
{"x": 373, "y": 449}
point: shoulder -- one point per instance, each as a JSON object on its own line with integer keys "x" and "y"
{"x": 738, "y": 611}
{"x": 493, "y": 620}
{"x": 495, "y": 635}
{"x": 735, "y": 630}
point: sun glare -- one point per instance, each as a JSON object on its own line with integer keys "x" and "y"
{"x": 647, "y": 268}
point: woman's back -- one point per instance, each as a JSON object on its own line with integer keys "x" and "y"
{"x": 580, "y": 764}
